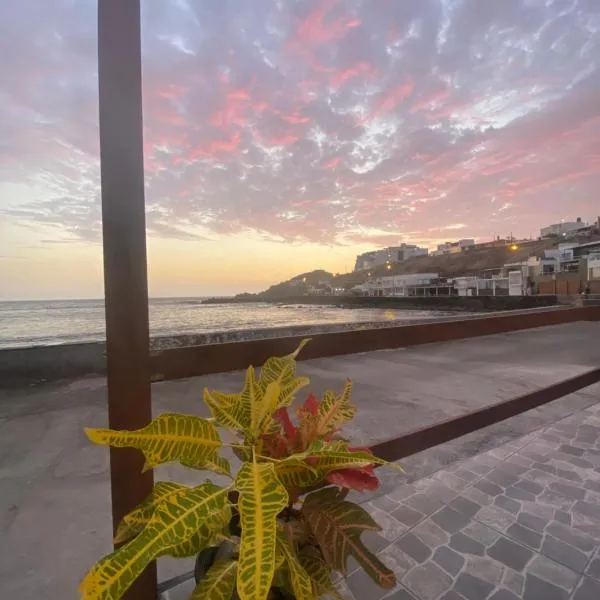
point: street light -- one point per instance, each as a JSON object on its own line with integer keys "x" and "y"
{"x": 514, "y": 247}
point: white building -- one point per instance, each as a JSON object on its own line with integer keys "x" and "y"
{"x": 391, "y": 255}
{"x": 454, "y": 247}
{"x": 563, "y": 228}
{"x": 396, "y": 285}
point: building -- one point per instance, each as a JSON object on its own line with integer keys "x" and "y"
{"x": 397, "y": 285}
{"x": 391, "y": 255}
{"x": 563, "y": 229}
{"x": 454, "y": 247}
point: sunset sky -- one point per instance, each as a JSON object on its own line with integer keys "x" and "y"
{"x": 287, "y": 135}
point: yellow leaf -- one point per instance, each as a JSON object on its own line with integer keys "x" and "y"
{"x": 299, "y": 578}
{"x": 261, "y": 498}
{"x": 138, "y": 518}
{"x": 218, "y": 583}
{"x": 228, "y": 409}
{"x": 335, "y": 410}
{"x": 295, "y": 474}
{"x": 176, "y": 519}
{"x": 313, "y": 563}
{"x": 170, "y": 437}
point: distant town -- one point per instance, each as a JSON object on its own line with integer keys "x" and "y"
{"x": 563, "y": 261}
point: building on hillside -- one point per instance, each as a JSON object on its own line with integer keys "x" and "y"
{"x": 563, "y": 229}
{"x": 391, "y": 255}
{"x": 454, "y": 247}
{"x": 397, "y": 285}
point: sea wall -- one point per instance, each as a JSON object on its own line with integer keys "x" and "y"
{"x": 21, "y": 367}
{"x": 453, "y": 303}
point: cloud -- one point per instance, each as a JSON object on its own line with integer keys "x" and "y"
{"x": 327, "y": 121}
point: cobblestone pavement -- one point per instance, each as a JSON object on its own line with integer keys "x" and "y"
{"x": 520, "y": 521}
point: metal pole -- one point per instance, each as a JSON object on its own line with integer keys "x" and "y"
{"x": 124, "y": 239}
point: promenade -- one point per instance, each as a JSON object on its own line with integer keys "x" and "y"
{"x": 507, "y": 512}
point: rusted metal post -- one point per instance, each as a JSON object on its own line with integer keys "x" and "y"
{"x": 125, "y": 269}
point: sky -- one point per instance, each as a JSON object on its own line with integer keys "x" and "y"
{"x": 283, "y": 136}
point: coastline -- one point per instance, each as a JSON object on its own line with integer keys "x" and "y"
{"x": 35, "y": 365}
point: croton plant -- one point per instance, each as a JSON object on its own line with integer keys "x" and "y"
{"x": 285, "y": 513}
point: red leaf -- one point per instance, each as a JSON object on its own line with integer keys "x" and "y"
{"x": 310, "y": 406}
{"x": 283, "y": 417}
{"x": 361, "y": 480}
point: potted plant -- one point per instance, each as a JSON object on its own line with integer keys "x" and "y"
{"x": 282, "y": 528}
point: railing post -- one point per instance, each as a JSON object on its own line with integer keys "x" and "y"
{"x": 125, "y": 268}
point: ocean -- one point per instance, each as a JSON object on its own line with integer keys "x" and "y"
{"x": 47, "y": 323}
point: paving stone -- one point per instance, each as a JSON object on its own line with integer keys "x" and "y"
{"x": 424, "y": 503}
{"x": 450, "y": 480}
{"x": 400, "y": 594}
{"x": 362, "y": 586}
{"x": 567, "y": 535}
{"x": 569, "y": 474}
{"x": 508, "y": 504}
{"x": 539, "y": 476}
{"x": 513, "y": 468}
{"x": 477, "y": 496}
{"x": 495, "y": 517}
{"x": 414, "y": 547}
{"x": 587, "y": 508}
{"x": 589, "y": 589}
{"x": 538, "y": 589}
{"x": 465, "y": 545}
{"x": 427, "y": 581}
{"x": 545, "y": 468}
{"x": 408, "y": 516}
{"x": 551, "y": 571}
{"x": 510, "y": 554}
{"x": 594, "y": 568}
{"x": 581, "y": 463}
{"x": 465, "y": 506}
{"x": 450, "y": 520}
{"x": 451, "y": 595}
{"x": 519, "y": 494}
{"x": 571, "y": 450}
{"x": 525, "y": 536}
{"x": 472, "y": 588}
{"x": 481, "y": 533}
{"x": 555, "y": 499}
{"x": 441, "y": 492}
{"x": 449, "y": 560}
{"x": 401, "y": 493}
{"x": 569, "y": 491}
{"x": 502, "y": 478}
{"x": 529, "y": 486}
{"x": 562, "y": 517}
{"x": 396, "y": 560}
{"x": 487, "y": 487}
{"x": 532, "y": 522}
{"x": 486, "y": 568}
{"x": 432, "y": 535}
{"x": 592, "y": 484}
{"x": 466, "y": 475}
{"x": 515, "y": 582}
{"x": 391, "y": 529}
{"x": 384, "y": 503}
{"x": 564, "y": 554}
{"x": 504, "y": 595}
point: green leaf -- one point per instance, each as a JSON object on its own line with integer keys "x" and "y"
{"x": 218, "y": 583}
{"x": 318, "y": 571}
{"x": 261, "y": 498}
{"x": 295, "y": 474}
{"x": 170, "y": 437}
{"x": 337, "y": 525}
{"x": 335, "y": 411}
{"x": 138, "y": 518}
{"x": 299, "y": 578}
{"x": 227, "y": 409}
{"x": 176, "y": 519}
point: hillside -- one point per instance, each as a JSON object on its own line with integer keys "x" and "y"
{"x": 469, "y": 262}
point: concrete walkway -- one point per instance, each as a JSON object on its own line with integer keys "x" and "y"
{"x": 54, "y": 493}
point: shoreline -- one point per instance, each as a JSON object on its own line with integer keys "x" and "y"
{"x": 35, "y": 365}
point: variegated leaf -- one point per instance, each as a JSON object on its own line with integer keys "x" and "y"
{"x": 319, "y": 572}
{"x": 227, "y": 409}
{"x": 335, "y": 410}
{"x": 295, "y": 474}
{"x": 299, "y": 579}
{"x": 170, "y": 437}
{"x": 261, "y": 498}
{"x": 337, "y": 525}
{"x": 218, "y": 583}
{"x": 176, "y": 519}
{"x": 138, "y": 518}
